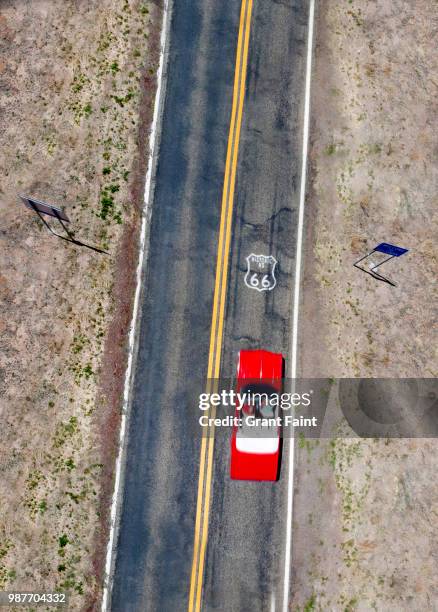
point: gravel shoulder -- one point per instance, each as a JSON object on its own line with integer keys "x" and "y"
{"x": 365, "y": 510}
{"x": 77, "y": 84}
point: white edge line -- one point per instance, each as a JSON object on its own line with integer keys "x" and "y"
{"x": 148, "y": 191}
{"x": 296, "y": 303}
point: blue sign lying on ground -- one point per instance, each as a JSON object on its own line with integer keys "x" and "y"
{"x": 390, "y": 249}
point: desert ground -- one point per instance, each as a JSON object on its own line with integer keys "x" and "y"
{"x": 366, "y": 510}
{"x": 77, "y": 84}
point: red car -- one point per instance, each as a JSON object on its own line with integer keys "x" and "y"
{"x": 255, "y": 443}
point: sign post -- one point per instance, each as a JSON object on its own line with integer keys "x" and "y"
{"x": 386, "y": 249}
{"x": 43, "y": 208}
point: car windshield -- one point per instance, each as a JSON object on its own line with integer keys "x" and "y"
{"x": 261, "y": 400}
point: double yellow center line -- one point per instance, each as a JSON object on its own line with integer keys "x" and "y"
{"x": 217, "y": 323}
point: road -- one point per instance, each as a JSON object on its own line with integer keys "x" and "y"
{"x": 239, "y": 562}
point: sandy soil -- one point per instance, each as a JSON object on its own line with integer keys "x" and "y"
{"x": 365, "y": 511}
{"x": 77, "y": 85}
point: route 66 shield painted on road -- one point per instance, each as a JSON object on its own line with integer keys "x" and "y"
{"x": 260, "y": 274}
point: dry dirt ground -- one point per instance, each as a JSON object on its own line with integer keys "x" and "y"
{"x": 77, "y": 84}
{"x": 366, "y": 511}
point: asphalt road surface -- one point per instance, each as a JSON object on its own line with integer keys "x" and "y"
{"x": 244, "y": 553}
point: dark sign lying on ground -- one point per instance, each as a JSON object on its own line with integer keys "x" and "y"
{"x": 44, "y": 208}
